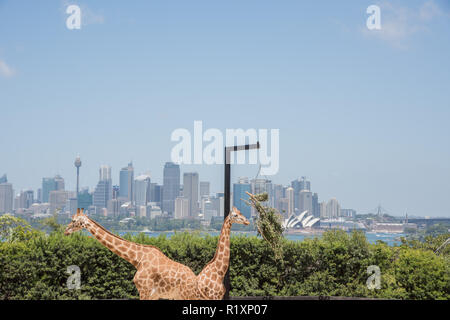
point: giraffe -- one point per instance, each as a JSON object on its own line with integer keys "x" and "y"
{"x": 210, "y": 279}
{"x": 157, "y": 276}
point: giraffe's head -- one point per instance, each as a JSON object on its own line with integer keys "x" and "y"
{"x": 237, "y": 217}
{"x": 78, "y": 222}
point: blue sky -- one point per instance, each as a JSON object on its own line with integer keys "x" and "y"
{"x": 364, "y": 114}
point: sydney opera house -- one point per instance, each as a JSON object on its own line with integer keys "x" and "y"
{"x": 301, "y": 221}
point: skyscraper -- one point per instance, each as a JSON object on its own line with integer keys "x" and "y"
{"x": 57, "y": 200}
{"x": 305, "y": 202}
{"x": 204, "y": 188}
{"x": 333, "y": 209}
{"x": 239, "y": 192}
{"x": 299, "y": 185}
{"x": 3, "y": 179}
{"x": 181, "y": 208}
{"x": 315, "y": 205}
{"x": 190, "y": 191}
{"x": 126, "y": 182}
{"x": 6, "y": 197}
{"x": 77, "y": 164}
{"x": 48, "y": 185}
{"x": 290, "y": 197}
{"x": 103, "y": 191}
{"x": 171, "y": 187}
{"x": 142, "y": 190}
{"x": 59, "y": 182}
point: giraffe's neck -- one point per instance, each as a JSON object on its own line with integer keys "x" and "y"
{"x": 123, "y": 248}
{"x": 221, "y": 259}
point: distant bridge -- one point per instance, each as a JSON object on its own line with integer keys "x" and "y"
{"x": 429, "y": 222}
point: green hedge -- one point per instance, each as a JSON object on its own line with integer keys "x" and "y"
{"x": 335, "y": 265}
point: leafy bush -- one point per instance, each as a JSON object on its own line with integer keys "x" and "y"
{"x": 34, "y": 267}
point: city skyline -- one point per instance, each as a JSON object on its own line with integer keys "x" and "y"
{"x": 300, "y": 186}
{"x": 362, "y": 113}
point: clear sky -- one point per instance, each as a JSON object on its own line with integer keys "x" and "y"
{"x": 364, "y": 114}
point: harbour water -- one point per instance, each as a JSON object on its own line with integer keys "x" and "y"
{"x": 392, "y": 239}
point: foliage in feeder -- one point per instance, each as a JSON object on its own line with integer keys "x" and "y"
{"x": 268, "y": 222}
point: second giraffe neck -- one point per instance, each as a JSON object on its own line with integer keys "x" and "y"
{"x": 221, "y": 259}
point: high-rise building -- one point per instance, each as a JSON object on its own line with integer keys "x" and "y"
{"x": 126, "y": 182}
{"x": 6, "y": 197}
{"x": 190, "y": 191}
{"x": 77, "y": 164}
{"x": 26, "y": 199}
{"x": 84, "y": 199}
{"x": 333, "y": 209}
{"x": 278, "y": 193}
{"x": 239, "y": 195}
{"x": 171, "y": 187}
{"x": 290, "y": 197}
{"x": 142, "y": 191}
{"x": 3, "y": 179}
{"x": 315, "y": 205}
{"x": 155, "y": 193}
{"x": 181, "y": 208}
{"x": 323, "y": 210}
{"x": 103, "y": 191}
{"x": 59, "y": 182}
{"x": 57, "y": 200}
{"x": 204, "y": 189}
{"x": 299, "y": 185}
{"x": 48, "y": 185}
{"x": 39, "y": 195}
{"x": 305, "y": 202}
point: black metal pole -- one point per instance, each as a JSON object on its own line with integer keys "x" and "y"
{"x": 227, "y": 192}
{"x": 226, "y": 211}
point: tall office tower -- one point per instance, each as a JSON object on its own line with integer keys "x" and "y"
{"x": 142, "y": 190}
{"x": 333, "y": 209}
{"x": 77, "y": 164}
{"x": 115, "y": 192}
{"x": 278, "y": 193}
{"x": 3, "y": 179}
{"x": 6, "y": 197}
{"x": 59, "y": 182}
{"x": 48, "y": 184}
{"x": 323, "y": 210}
{"x": 126, "y": 182}
{"x": 305, "y": 202}
{"x": 315, "y": 205}
{"x": 190, "y": 191}
{"x": 239, "y": 195}
{"x": 204, "y": 188}
{"x": 26, "y": 199}
{"x": 290, "y": 197}
{"x": 57, "y": 200}
{"x": 105, "y": 172}
{"x": 113, "y": 207}
{"x": 39, "y": 195}
{"x": 103, "y": 191}
{"x": 84, "y": 199}
{"x": 181, "y": 208}
{"x": 299, "y": 185}
{"x": 283, "y": 205}
{"x": 155, "y": 193}
{"x": 171, "y": 187}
